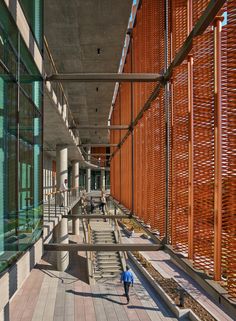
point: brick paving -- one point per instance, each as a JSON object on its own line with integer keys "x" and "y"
{"x": 49, "y": 295}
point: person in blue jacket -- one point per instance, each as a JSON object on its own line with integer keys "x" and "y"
{"x": 127, "y": 278}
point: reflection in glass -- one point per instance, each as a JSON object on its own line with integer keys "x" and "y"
{"x": 20, "y": 145}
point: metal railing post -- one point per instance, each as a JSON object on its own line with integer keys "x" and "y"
{"x": 49, "y": 205}
{"x": 55, "y": 203}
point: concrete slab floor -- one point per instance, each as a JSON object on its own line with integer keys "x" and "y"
{"x": 51, "y": 295}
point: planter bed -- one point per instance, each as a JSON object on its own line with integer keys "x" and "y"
{"x": 173, "y": 290}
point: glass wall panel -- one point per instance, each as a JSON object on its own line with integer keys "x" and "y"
{"x": 82, "y": 178}
{"x": 20, "y": 144}
{"x": 33, "y": 12}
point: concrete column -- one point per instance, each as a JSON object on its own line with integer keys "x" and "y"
{"x": 62, "y": 167}
{"x": 75, "y": 177}
{"x": 76, "y": 222}
{"x": 88, "y": 174}
{"x": 103, "y": 181}
{"x": 62, "y": 237}
{"x": 61, "y": 234}
{"x": 75, "y": 184}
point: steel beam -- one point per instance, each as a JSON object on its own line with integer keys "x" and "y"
{"x": 105, "y": 77}
{"x": 102, "y": 247}
{"x": 96, "y": 216}
{"x": 98, "y": 145}
{"x": 100, "y": 154}
{"x": 95, "y": 127}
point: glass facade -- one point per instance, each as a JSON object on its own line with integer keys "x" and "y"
{"x": 82, "y": 178}
{"x": 33, "y": 10}
{"x": 20, "y": 144}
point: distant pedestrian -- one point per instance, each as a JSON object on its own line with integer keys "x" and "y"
{"x": 103, "y": 202}
{"x": 127, "y": 278}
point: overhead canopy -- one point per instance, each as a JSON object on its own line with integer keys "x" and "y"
{"x": 87, "y": 37}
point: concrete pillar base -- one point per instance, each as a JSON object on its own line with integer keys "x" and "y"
{"x": 61, "y": 233}
{"x": 75, "y": 226}
{"x": 76, "y": 222}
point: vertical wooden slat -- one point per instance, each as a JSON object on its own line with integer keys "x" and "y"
{"x": 203, "y": 106}
{"x": 191, "y": 137}
{"x": 218, "y": 150}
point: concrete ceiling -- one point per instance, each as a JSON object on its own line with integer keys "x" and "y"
{"x": 75, "y": 30}
{"x": 56, "y": 132}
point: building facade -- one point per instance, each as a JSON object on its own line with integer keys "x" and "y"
{"x": 21, "y": 105}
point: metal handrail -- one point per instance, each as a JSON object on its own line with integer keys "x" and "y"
{"x": 120, "y": 238}
{"x": 67, "y": 197}
{"x": 87, "y": 238}
{"x": 91, "y": 253}
{"x": 59, "y": 191}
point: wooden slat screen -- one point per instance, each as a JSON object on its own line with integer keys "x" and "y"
{"x": 193, "y": 212}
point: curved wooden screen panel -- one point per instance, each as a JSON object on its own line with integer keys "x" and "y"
{"x": 180, "y": 131}
{"x": 197, "y": 169}
{"x": 203, "y": 146}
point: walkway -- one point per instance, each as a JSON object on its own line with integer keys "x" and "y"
{"x": 50, "y": 295}
{"x": 163, "y": 264}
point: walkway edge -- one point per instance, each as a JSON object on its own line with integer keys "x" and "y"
{"x": 179, "y": 313}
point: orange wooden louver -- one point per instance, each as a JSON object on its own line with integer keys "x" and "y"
{"x": 199, "y": 165}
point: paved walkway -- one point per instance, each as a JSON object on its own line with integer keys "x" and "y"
{"x": 162, "y": 262}
{"x": 49, "y": 295}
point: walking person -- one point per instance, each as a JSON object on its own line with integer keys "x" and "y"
{"x": 127, "y": 278}
{"x": 103, "y": 202}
